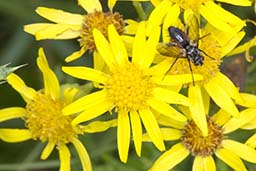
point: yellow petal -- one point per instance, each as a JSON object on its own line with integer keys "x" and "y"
{"x": 171, "y": 19}
{"x": 230, "y": 159}
{"x": 111, "y": 4}
{"x": 251, "y": 141}
{"x": 104, "y": 49}
{"x": 15, "y": 135}
{"x": 117, "y": 45}
{"x": 245, "y": 48}
{"x": 150, "y": 49}
{"x": 237, "y": 2}
{"x": 220, "y": 18}
{"x": 198, "y": 164}
{"x": 209, "y": 164}
{"x": 248, "y": 100}
{"x": 59, "y": 16}
{"x": 55, "y": 31}
{"x": 83, "y": 154}
{"x": 123, "y": 135}
{"x": 136, "y": 131}
{"x": 128, "y": 41}
{"x": 51, "y": 83}
{"x": 170, "y": 134}
{"x": 12, "y": 113}
{"x": 69, "y": 94}
{"x": 95, "y": 110}
{"x": 250, "y": 125}
{"x": 221, "y": 97}
{"x": 206, "y": 100}
{"x": 152, "y": 128}
{"x": 17, "y": 83}
{"x": 47, "y": 150}
{"x": 166, "y": 121}
{"x": 227, "y": 85}
{"x": 34, "y": 28}
{"x": 157, "y": 15}
{"x": 232, "y": 43}
{"x": 180, "y": 79}
{"x": 139, "y": 44}
{"x": 170, "y": 158}
{"x": 86, "y": 73}
{"x": 40, "y": 27}
{"x": 64, "y": 155}
{"x": 99, "y": 126}
{"x": 243, "y": 151}
{"x": 159, "y": 69}
{"x": 221, "y": 117}
{"x": 98, "y": 62}
{"x": 166, "y": 109}
{"x": 131, "y": 27}
{"x": 76, "y": 55}
{"x": 245, "y": 117}
{"x": 90, "y": 5}
{"x": 85, "y": 102}
{"x": 197, "y": 109}
{"x": 169, "y": 96}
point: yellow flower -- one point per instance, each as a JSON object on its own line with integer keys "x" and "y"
{"x": 203, "y": 148}
{"x": 44, "y": 120}
{"x": 68, "y": 26}
{"x": 215, "y": 85}
{"x": 212, "y": 12}
{"x": 131, "y": 87}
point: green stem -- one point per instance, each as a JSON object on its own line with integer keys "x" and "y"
{"x": 140, "y": 10}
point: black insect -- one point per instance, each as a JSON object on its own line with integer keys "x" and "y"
{"x": 184, "y": 44}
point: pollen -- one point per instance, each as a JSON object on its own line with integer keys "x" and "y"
{"x": 191, "y": 4}
{"x": 199, "y": 145}
{"x": 46, "y": 122}
{"x": 100, "y": 21}
{"x": 128, "y": 88}
{"x": 211, "y": 52}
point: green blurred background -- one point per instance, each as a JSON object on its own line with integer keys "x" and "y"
{"x": 18, "y": 47}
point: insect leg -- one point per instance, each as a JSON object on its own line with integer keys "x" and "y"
{"x": 190, "y": 68}
{"x": 175, "y": 60}
{"x": 206, "y": 54}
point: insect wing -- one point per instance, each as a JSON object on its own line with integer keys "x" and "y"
{"x": 192, "y": 28}
{"x": 168, "y": 50}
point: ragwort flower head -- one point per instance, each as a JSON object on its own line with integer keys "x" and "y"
{"x": 44, "y": 120}
{"x": 203, "y": 148}
{"x": 132, "y": 88}
{"x": 68, "y": 26}
{"x": 214, "y": 45}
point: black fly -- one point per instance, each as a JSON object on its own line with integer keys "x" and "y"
{"x": 184, "y": 44}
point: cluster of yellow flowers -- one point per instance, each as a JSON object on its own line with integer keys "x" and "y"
{"x": 159, "y": 78}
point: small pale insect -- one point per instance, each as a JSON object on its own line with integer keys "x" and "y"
{"x": 5, "y": 71}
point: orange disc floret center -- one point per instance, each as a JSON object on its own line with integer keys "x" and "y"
{"x": 198, "y": 144}
{"x": 129, "y": 88}
{"x": 46, "y": 122}
{"x": 100, "y": 21}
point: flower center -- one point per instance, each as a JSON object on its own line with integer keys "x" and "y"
{"x": 199, "y": 145}
{"x": 100, "y": 21}
{"x": 46, "y": 122}
{"x": 210, "y": 51}
{"x": 129, "y": 88}
{"x": 189, "y": 4}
